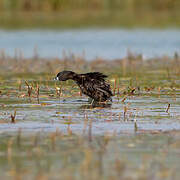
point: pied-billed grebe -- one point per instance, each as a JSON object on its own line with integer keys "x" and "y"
{"x": 92, "y": 84}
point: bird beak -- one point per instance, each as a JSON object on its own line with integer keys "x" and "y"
{"x": 56, "y": 78}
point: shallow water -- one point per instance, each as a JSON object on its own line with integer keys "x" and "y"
{"x": 65, "y": 138}
{"x": 91, "y": 43}
{"x": 148, "y": 110}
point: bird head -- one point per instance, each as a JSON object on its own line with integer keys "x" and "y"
{"x": 65, "y": 75}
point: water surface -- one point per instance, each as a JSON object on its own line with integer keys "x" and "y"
{"x": 91, "y": 43}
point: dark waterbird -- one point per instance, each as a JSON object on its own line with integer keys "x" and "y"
{"x": 92, "y": 84}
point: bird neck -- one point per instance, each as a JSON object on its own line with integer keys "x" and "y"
{"x": 75, "y": 77}
{"x": 78, "y": 78}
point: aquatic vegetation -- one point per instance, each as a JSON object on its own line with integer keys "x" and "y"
{"x": 47, "y": 129}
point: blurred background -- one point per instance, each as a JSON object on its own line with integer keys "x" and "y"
{"x": 70, "y": 13}
{"x": 148, "y": 27}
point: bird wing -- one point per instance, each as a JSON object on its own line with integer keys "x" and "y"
{"x": 104, "y": 87}
{"x": 97, "y": 88}
{"x": 94, "y": 85}
{"x": 96, "y": 75}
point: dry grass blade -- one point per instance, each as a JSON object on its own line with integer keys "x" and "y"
{"x": 132, "y": 91}
{"x": 58, "y": 91}
{"x": 124, "y": 99}
{"x": 114, "y": 89}
{"x": 37, "y": 93}
{"x": 125, "y": 111}
{"x": 118, "y": 91}
{"x": 13, "y": 117}
{"x": 29, "y": 90}
{"x": 80, "y": 93}
{"x": 135, "y": 125}
{"x": 19, "y": 85}
{"x": 167, "y": 110}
